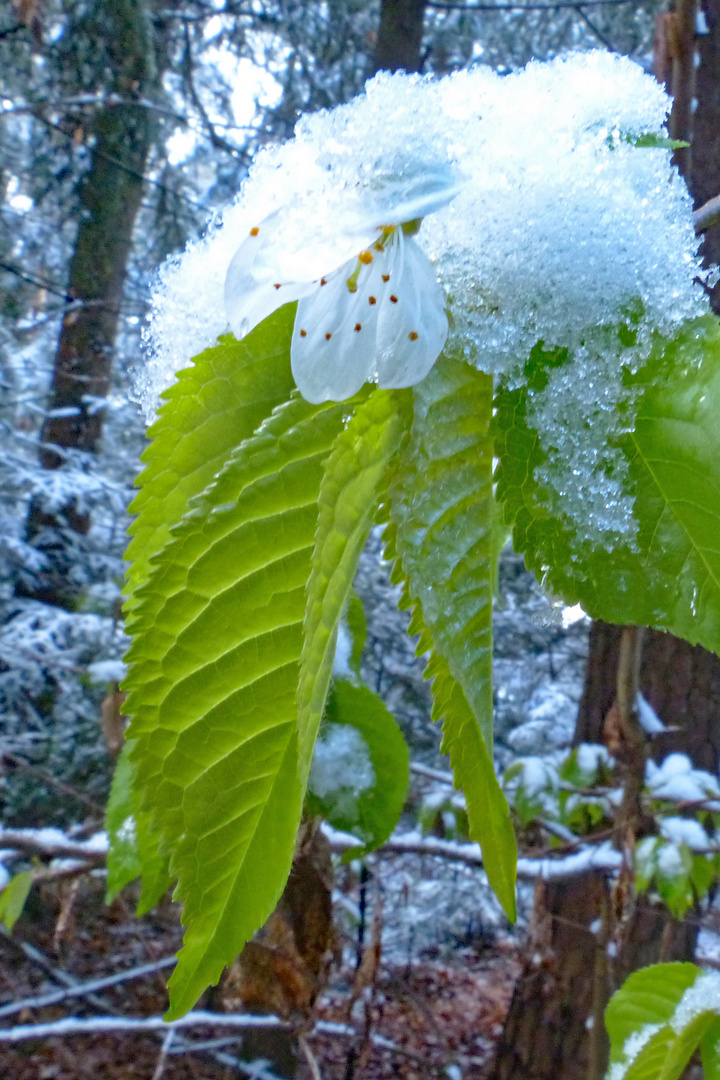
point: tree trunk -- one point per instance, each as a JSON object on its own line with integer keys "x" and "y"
{"x": 110, "y": 197}
{"x": 400, "y": 36}
{"x": 705, "y": 178}
{"x": 546, "y": 1035}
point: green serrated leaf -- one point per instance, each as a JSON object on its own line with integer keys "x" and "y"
{"x": 671, "y": 579}
{"x": 684, "y": 1045}
{"x": 649, "y": 1062}
{"x": 710, "y": 1051}
{"x": 442, "y": 506}
{"x": 648, "y": 996}
{"x": 213, "y": 405}
{"x": 13, "y": 897}
{"x": 372, "y": 813}
{"x": 489, "y": 822}
{"x": 354, "y": 473}
{"x": 133, "y": 850}
{"x": 213, "y": 672}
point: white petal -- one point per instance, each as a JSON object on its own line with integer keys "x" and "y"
{"x": 412, "y": 324}
{"x": 334, "y": 345}
{"x": 250, "y": 294}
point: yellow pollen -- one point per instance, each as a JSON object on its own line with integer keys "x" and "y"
{"x": 386, "y": 277}
{"x": 413, "y": 335}
{"x": 372, "y": 300}
{"x": 358, "y": 326}
{"x": 365, "y": 257}
{"x": 254, "y": 231}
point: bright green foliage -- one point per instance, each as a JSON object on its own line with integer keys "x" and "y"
{"x": 211, "y": 407}
{"x": 356, "y": 624}
{"x": 133, "y": 850}
{"x": 372, "y": 814}
{"x": 212, "y": 684}
{"x": 442, "y": 534}
{"x": 643, "y": 1010}
{"x": 710, "y": 1048}
{"x": 354, "y": 472}
{"x": 442, "y": 507}
{"x": 671, "y": 581}
{"x": 13, "y": 897}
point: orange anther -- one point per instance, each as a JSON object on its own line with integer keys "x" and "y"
{"x": 328, "y": 336}
{"x": 372, "y": 300}
{"x": 413, "y": 335}
{"x": 386, "y": 277}
{"x": 393, "y": 298}
{"x": 323, "y": 281}
{"x": 254, "y": 231}
{"x": 365, "y": 257}
{"x": 277, "y": 285}
{"x": 358, "y": 326}
{"x": 303, "y": 333}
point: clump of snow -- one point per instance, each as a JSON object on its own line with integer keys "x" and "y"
{"x": 685, "y": 831}
{"x": 649, "y": 719}
{"x": 343, "y": 653}
{"x": 676, "y": 779}
{"x": 590, "y": 756}
{"x": 107, "y": 671}
{"x": 341, "y": 769}
{"x": 563, "y": 229}
{"x": 669, "y": 861}
{"x": 702, "y": 996}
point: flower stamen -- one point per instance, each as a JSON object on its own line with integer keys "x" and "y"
{"x": 413, "y": 335}
{"x": 358, "y": 326}
{"x": 254, "y": 231}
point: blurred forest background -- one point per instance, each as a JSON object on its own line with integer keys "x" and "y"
{"x": 124, "y": 124}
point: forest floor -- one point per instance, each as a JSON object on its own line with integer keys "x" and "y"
{"x": 440, "y": 1014}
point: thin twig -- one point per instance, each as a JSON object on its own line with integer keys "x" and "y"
{"x": 84, "y": 989}
{"x": 74, "y": 1025}
{"x": 707, "y": 215}
{"x": 162, "y": 1056}
{"x": 310, "y": 1058}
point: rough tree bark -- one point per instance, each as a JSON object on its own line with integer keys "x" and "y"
{"x": 399, "y": 36}
{"x": 110, "y": 197}
{"x": 705, "y": 176}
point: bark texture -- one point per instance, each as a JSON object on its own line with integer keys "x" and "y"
{"x": 546, "y": 1035}
{"x": 705, "y": 177}
{"x": 400, "y": 35}
{"x": 110, "y": 197}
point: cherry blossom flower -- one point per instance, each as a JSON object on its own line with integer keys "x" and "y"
{"x": 370, "y": 308}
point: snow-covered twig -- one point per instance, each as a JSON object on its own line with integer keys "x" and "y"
{"x": 74, "y": 1025}
{"x": 84, "y": 989}
{"x": 54, "y": 844}
{"x": 591, "y": 857}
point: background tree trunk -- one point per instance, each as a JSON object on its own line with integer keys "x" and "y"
{"x": 110, "y": 197}
{"x": 399, "y": 36}
{"x": 546, "y": 1033}
{"x": 705, "y": 177}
